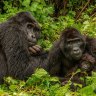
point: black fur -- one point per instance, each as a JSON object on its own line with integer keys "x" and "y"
{"x": 59, "y": 60}
{"x": 15, "y": 57}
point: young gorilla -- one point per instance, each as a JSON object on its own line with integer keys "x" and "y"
{"x": 17, "y": 35}
{"x": 66, "y": 52}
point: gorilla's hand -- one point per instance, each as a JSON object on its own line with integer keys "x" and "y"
{"x": 35, "y": 50}
{"x": 89, "y": 58}
{"x": 87, "y": 62}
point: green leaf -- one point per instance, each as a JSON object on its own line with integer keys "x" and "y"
{"x": 26, "y": 3}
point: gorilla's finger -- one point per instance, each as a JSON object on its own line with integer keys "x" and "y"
{"x": 36, "y": 48}
{"x": 33, "y": 51}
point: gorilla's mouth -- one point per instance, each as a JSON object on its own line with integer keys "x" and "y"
{"x": 30, "y": 44}
{"x": 77, "y": 56}
{"x": 31, "y": 41}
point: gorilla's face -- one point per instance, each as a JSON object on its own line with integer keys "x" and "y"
{"x": 72, "y": 44}
{"x": 29, "y": 25}
{"x": 74, "y": 47}
{"x": 33, "y": 32}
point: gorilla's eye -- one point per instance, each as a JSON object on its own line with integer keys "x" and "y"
{"x": 78, "y": 41}
{"x": 29, "y": 26}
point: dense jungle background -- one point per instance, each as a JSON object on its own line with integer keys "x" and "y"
{"x": 53, "y": 16}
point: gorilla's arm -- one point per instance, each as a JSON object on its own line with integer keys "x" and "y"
{"x": 53, "y": 59}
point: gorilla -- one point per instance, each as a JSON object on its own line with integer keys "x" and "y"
{"x": 66, "y": 52}
{"x": 18, "y": 36}
{"x": 69, "y": 53}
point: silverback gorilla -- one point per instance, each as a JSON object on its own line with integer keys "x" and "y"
{"x": 16, "y": 35}
{"x": 67, "y": 52}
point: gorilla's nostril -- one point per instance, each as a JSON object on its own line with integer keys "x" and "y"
{"x": 33, "y": 36}
{"x": 77, "y": 51}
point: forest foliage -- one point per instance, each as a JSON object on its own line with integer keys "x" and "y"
{"x": 80, "y": 14}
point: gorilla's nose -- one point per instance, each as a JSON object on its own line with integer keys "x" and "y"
{"x": 33, "y": 36}
{"x": 33, "y": 39}
{"x": 76, "y": 50}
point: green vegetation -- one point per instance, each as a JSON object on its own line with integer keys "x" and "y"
{"x": 40, "y": 83}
